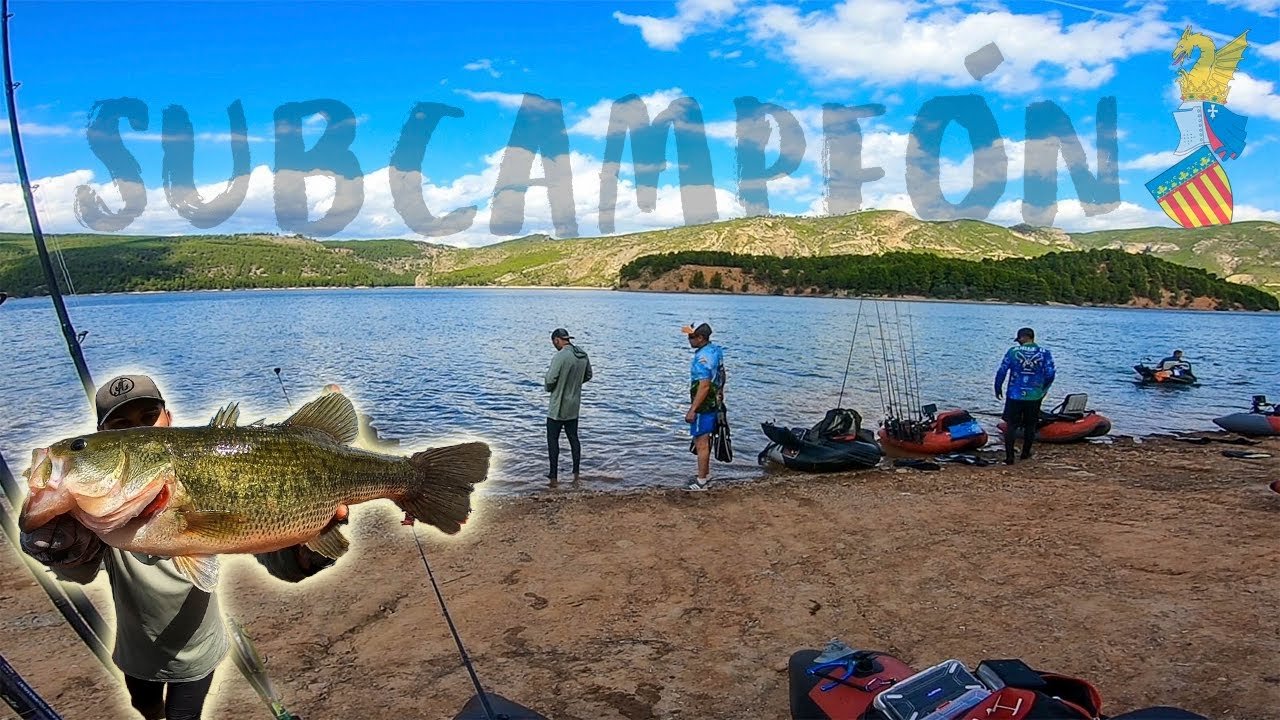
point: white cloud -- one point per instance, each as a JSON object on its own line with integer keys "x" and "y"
{"x": 31, "y": 129}
{"x": 1078, "y": 76}
{"x": 891, "y": 42}
{"x": 1253, "y": 97}
{"x": 691, "y": 16}
{"x": 141, "y": 136}
{"x": 378, "y": 216}
{"x": 511, "y": 101}
{"x": 1161, "y": 161}
{"x": 1071, "y": 216}
{"x": 1261, "y": 7}
{"x": 317, "y": 120}
{"x": 227, "y": 137}
{"x": 1270, "y": 51}
{"x": 484, "y": 65}
{"x": 1249, "y": 212}
{"x": 595, "y": 123}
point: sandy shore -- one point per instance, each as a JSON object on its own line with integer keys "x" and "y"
{"x": 1151, "y": 569}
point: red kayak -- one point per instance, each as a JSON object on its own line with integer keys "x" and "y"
{"x": 951, "y": 431}
{"x": 1057, "y": 429}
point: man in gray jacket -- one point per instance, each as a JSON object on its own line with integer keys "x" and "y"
{"x": 570, "y": 367}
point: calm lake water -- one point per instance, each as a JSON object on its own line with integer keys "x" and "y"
{"x": 435, "y": 365}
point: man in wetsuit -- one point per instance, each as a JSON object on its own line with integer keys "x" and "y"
{"x": 1031, "y": 372}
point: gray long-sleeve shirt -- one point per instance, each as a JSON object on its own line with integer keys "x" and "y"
{"x": 570, "y": 367}
{"x": 166, "y": 629}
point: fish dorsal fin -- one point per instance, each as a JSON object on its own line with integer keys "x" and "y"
{"x": 226, "y": 417}
{"x": 332, "y": 414}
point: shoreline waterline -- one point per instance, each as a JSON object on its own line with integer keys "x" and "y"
{"x": 619, "y": 289}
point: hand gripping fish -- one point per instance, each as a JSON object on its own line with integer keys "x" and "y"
{"x": 192, "y": 493}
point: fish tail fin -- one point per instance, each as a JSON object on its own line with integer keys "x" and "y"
{"x": 443, "y": 478}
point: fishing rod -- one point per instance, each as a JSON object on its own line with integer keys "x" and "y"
{"x": 915, "y": 359}
{"x": 840, "y": 402}
{"x": 22, "y": 697}
{"x": 913, "y": 396}
{"x": 875, "y": 367}
{"x": 890, "y": 382}
{"x": 250, "y": 664}
{"x": 89, "y": 613}
{"x": 69, "y": 600}
{"x": 68, "y": 332}
{"x": 457, "y": 639}
{"x": 286, "y": 392}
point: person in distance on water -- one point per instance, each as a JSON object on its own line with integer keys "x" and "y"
{"x": 570, "y": 368}
{"x": 1173, "y": 361}
{"x": 169, "y": 634}
{"x": 706, "y": 396}
{"x": 1031, "y": 372}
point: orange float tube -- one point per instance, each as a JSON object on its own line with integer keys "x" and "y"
{"x": 937, "y": 439}
{"x": 1068, "y": 431}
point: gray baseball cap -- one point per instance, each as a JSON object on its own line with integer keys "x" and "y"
{"x": 124, "y": 389}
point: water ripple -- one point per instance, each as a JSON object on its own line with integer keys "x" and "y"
{"x": 432, "y": 366}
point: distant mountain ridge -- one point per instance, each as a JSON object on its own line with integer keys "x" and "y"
{"x": 1244, "y": 252}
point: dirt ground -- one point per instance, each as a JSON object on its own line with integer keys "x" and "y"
{"x": 1152, "y": 569}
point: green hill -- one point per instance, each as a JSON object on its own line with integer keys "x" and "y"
{"x": 1081, "y": 277}
{"x": 1244, "y": 252}
{"x": 1248, "y": 252}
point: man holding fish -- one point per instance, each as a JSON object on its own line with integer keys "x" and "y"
{"x": 154, "y": 505}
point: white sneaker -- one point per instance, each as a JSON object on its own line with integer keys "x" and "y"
{"x": 698, "y": 484}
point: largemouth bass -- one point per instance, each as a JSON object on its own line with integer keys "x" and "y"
{"x": 192, "y": 493}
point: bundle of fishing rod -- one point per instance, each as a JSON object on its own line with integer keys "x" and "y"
{"x": 898, "y": 377}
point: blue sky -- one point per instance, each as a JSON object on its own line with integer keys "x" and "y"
{"x": 381, "y": 59}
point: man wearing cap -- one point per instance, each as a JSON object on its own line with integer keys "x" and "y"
{"x": 706, "y": 396}
{"x": 1174, "y": 362}
{"x": 169, "y": 634}
{"x": 1031, "y": 372}
{"x": 570, "y": 367}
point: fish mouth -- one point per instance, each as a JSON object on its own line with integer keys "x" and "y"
{"x": 42, "y": 506}
{"x": 45, "y": 499}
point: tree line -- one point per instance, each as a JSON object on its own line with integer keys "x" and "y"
{"x": 207, "y": 263}
{"x": 1103, "y": 277}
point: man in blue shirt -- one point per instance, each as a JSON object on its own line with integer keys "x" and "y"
{"x": 706, "y": 396}
{"x": 1031, "y": 372}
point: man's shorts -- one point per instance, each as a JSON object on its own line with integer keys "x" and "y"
{"x": 705, "y": 424}
{"x": 1021, "y": 412}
